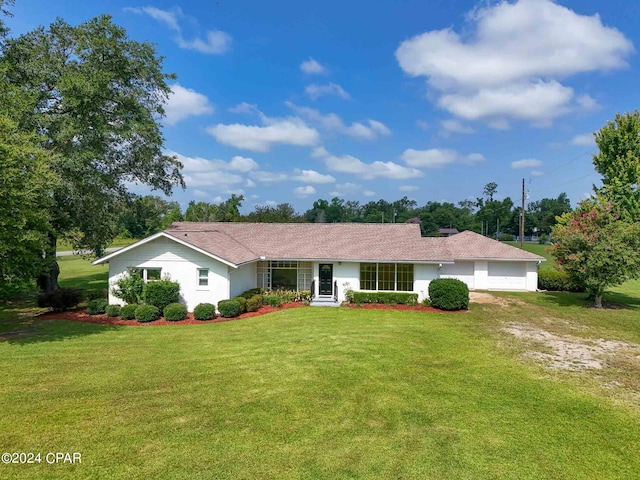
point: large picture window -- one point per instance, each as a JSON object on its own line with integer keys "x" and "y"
{"x": 386, "y": 276}
{"x": 285, "y": 275}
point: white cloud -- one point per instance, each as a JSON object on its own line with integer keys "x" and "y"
{"x": 201, "y": 172}
{"x": 200, "y": 193}
{"x": 499, "y": 124}
{"x": 312, "y": 66}
{"x": 583, "y": 140}
{"x": 304, "y": 191}
{"x": 422, "y": 124}
{"x": 333, "y": 122}
{"x": 368, "y": 193}
{"x": 510, "y": 62}
{"x": 243, "y": 164}
{"x": 250, "y": 183}
{"x": 268, "y": 177}
{"x": 184, "y": 102}
{"x": 438, "y": 157}
{"x": 286, "y": 131}
{"x": 311, "y": 176}
{"x": 215, "y": 42}
{"x": 526, "y": 163}
{"x": 408, "y": 188}
{"x": 316, "y": 91}
{"x": 319, "y": 152}
{"x": 244, "y": 107}
{"x": 346, "y": 189}
{"x": 270, "y": 203}
{"x": 353, "y": 165}
{"x": 454, "y": 126}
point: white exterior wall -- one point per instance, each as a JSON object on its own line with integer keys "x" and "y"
{"x": 179, "y": 263}
{"x": 532, "y": 276}
{"x": 243, "y": 278}
{"x": 494, "y": 275}
{"x": 464, "y": 271}
{"x": 507, "y": 276}
{"x": 481, "y": 275}
{"x": 422, "y": 276}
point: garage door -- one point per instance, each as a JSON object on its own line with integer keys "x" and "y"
{"x": 460, "y": 270}
{"x": 507, "y": 276}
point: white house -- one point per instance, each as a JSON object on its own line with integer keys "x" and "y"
{"x": 215, "y": 261}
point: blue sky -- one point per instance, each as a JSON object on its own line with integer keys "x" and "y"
{"x": 288, "y": 101}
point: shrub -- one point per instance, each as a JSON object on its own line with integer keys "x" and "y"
{"x": 449, "y": 294}
{"x": 97, "y": 294}
{"x": 254, "y": 303}
{"x": 243, "y": 303}
{"x": 272, "y": 300}
{"x": 175, "y": 312}
{"x": 147, "y": 313}
{"x": 61, "y": 299}
{"x": 252, "y": 292}
{"x": 426, "y": 302}
{"x": 204, "y": 311}
{"x": 128, "y": 312}
{"x": 556, "y": 280}
{"x": 130, "y": 287}
{"x": 113, "y": 310}
{"x": 542, "y": 239}
{"x": 288, "y": 296}
{"x": 229, "y": 308}
{"x": 98, "y": 306}
{"x": 506, "y": 237}
{"x": 161, "y": 293}
{"x": 387, "y": 298}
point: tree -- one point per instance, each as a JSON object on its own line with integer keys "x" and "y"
{"x": 544, "y": 212}
{"x": 201, "y": 212}
{"x": 144, "y": 216}
{"x": 229, "y": 210}
{"x": 618, "y": 161}
{"x": 97, "y": 98}
{"x": 281, "y": 213}
{"x": 596, "y": 247}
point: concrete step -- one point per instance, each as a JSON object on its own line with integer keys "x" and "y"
{"x": 324, "y": 302}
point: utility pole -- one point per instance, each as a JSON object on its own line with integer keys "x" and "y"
{"x": 522, "y": 219}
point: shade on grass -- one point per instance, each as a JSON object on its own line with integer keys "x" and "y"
{"x": 302, "y": 393}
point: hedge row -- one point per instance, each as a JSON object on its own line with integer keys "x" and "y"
{"x": 387, "y": 298}
{"x": 558, "y": 281}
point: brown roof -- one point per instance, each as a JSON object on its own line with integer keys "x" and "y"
{"x": 471, "y": 245}
{"x": 239, "y": 243}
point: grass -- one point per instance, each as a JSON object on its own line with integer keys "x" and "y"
{"x": 76, "y": 271}
{"x": 322, "y": 393}
{"x": 538, "y": 250}
{"x": 65, "y": 246}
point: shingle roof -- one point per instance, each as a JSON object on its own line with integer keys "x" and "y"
{"x": 471, "y": 245}
{"x": 245, "y": 242}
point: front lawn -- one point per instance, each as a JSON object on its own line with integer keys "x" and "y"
{"x": 311, "y": 393}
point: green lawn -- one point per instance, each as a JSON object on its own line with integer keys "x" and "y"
{"x": 324, "y": 393}
{"x": 64, "y": 246}
{"x": 538, "y": 250}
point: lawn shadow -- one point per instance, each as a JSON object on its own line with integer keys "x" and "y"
{"x": 610, "y": 300}
{"x": 94, "y": 282}
{"x": 38, "y": 331}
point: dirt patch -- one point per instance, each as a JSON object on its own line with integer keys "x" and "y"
{"x": 487, "y": 298}
{"x": 80, "y": 315}
{"x": 568, "y": 352}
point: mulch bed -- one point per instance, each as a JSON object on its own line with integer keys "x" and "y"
{"x": 80, "y": 315}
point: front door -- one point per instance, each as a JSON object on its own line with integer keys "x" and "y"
{"x": 326, "y": 279}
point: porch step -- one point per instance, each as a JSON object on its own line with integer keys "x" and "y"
{"x": 324, "y": 302}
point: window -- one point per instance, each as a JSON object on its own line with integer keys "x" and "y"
{"x": 287, "y": 275}
{"x": 203, "y": 277}
{"x": 152, "y": 274}
{"x": 386, "y": 276}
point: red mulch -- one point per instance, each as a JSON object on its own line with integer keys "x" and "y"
{"x": 80, "y": 315}
{"x": 380, "y": 306}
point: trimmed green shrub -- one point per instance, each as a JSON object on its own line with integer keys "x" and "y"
{"x": 557, "y": 281}
{"x": 252, "y": 292}
{"x": 288, "y": 296}
{"x": 272, "y": 300}
{"x": 161, "y": 293}
{"x": 229, "y": 308}
{"x": 426, "y": 302}
{"x": 506, "y": 237}
{"x": 449, "y": 294}
{"x": 204, "y": 311}
{"x": 174, "y": 312}
{"x": 61, "y": 299}
{"x": 243, "y": 303}
{"x": 97, "y": 294}
{"x": 113, "y": 310}
{"x": 254, "y": 303}
{"x": 130, "y": 287}
{"x": 98, "y": 306}
{"x": 147, "y": 313}
{"x": 128, "y": 311}
{"x": 387, "y": 298}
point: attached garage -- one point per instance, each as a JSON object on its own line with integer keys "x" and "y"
{"x": 464, "y": 271}
{"x": 507, "y": 276}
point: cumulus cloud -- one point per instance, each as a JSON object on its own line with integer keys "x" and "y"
{"x": 583, "y": 140}
{"x": 438, "y": 158}
{"x": 244, "y": 107}
{"x": 408, "y": 188}
{"x": 346, "y": 190}
{"x": 185, "y": 102}
{"x": 510, "y": 63}
{"x": 316, "y": 91}
{"x": 454, "y": 126}
{"x": 312, "y": 66}
{"x": 260, "y": 138}
{"x": 304, "y": 191}
{"x": 202, "y": 172}
{"x": 311, "y": 176}
{"x": 333, "y": 122}
{"x": 526, "y": 163}
{"x": 215, "y": 42}
{"x": 422, "y": 124}
{"x": 368, "y": 171}
{"x": 269, "y": 177}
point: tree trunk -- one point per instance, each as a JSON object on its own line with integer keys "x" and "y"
{"x": 48, "y": 278}
{"x": 598, "y": 300}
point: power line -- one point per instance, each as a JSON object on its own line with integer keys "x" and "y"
{"x": 569, "y": 161}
